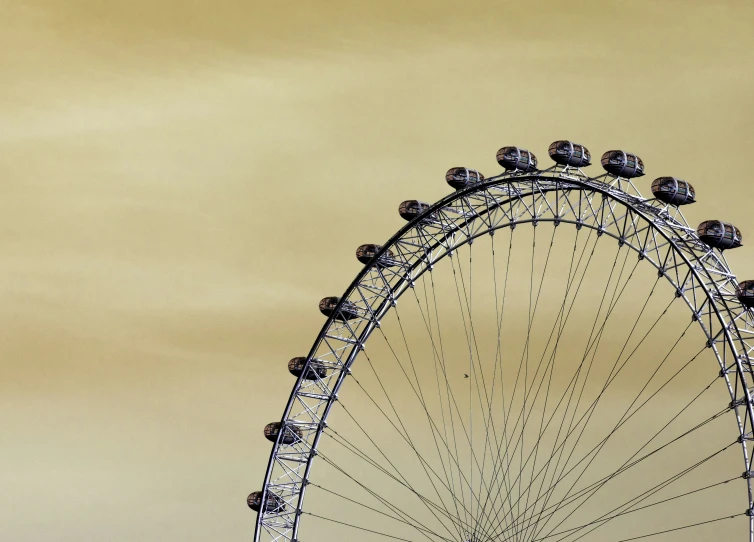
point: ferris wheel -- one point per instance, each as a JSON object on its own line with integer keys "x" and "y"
{"x": 541, "y": 355}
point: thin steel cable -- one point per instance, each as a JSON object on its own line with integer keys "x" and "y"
{"x": 448, "y": 472}
{"x": 460, "y": 419}
{"x": 624, "y": 467}
{"x": 499, "y": 313}
{"x": 645, "y": 495}
{"x": 395, "y": 468}
{"x": 386, "y": 502}
{"x": 509, "y": 488}
{"x": 558, "y": 474}
{"x": 468, "y": 299}
{"x": 686, "y": 494}
{"x": 448, "y": 390}
{"x": 422, "y": 530}
{"x": 681, "y": 528}
{"x": 590, "y": 410}
{"x": 552, "y": 365}
{"x": 624, "y": 416}
{"x": 574, "y": 379}
{"x": 406, "y": 434}
{"x": 575, "y": 274}
{"x": 571, "y": 277}
{"x": 353, "y": 449}
{"x": 611, "y": 378}
{"x": 615, "y": 299}
{"x": 430, "y": 420}
{"x": 357, "y": 527}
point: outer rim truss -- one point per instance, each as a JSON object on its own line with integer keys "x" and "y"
{"x": 610, "y": 205}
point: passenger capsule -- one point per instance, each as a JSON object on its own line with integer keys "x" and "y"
{"x": 623, "y": 164}
{"x": 290, "y": 435}
{"x": 461, "y": 177}
{"x": 673, "y": 191}
{"x": 745, "y": 293}
{"x": 366, "y": 253}
{"x": 568, "y": 153}
{"x": 718, "y": 234}
{"x": 274, "y": 503}
{"x": 412, "y": 208}
{"x": 347, "y": 311}
{"x": 513, "y": 158}
{"x": 316, "y": 368}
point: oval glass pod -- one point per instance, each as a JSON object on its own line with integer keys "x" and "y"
{"x": 721, "y": 235}
{"x": 515, "y": 159}
{"x": 745, "y": 293}
{"x": 366, "y": 253}
{"x": 461, "y": 177}
{"x": 568, "y": 153}
{"x": 273, "y": 504}
{"x": 316, "y": 368}
{"x": 290, "y": 435}
{"x": 347, "y": 311}
{"x": 623, "y": 164}
{"x": 412, "y": 208}
{"x": 673, "y": 191}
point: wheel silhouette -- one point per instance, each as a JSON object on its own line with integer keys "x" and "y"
{"x": 540, "y": 355}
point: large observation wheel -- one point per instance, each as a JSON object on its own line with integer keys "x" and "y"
{"x": 566, "y": 362}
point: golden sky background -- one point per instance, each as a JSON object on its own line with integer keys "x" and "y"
{"x": 182, "y": 181}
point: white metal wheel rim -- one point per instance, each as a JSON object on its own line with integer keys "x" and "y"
{"x": 519, "y": 198}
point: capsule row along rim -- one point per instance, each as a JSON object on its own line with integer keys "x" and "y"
{"x": 570, "y": 154}
{"x": 669, "y": 190}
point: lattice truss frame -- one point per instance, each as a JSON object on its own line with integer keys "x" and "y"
{"x": 610, "y": 205}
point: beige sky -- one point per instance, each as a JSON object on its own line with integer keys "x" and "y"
{"x": 183, "y": 181}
